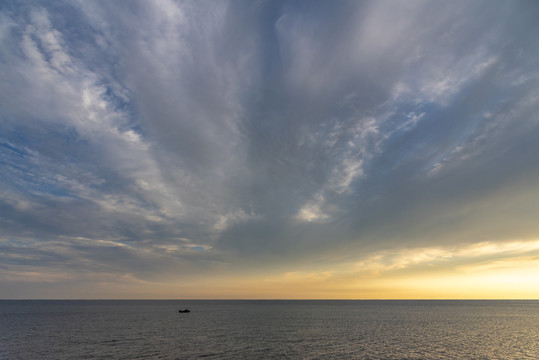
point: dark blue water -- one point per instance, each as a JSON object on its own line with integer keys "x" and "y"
{"x": 269, "y": 330}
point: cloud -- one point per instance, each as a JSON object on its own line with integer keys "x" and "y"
{"x": 170, "y": 137}
{"x": 465, "y": 258}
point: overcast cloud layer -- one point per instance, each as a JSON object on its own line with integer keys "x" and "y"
{"x": 146, "y": 141}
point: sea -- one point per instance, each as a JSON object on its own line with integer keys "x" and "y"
{"x": 268, "y": 329}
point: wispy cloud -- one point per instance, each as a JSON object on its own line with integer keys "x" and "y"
{"x": 472, "y": 256}
{"x": 163, "y": 138}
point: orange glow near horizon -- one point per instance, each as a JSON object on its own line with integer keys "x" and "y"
{"x": 507, "y": 270}
{"x": 479, "y": 271}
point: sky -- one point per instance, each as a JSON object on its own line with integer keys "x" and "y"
{"x": 269, "y": 149}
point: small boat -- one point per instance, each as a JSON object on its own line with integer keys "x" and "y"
{"x": 184, "y": 311}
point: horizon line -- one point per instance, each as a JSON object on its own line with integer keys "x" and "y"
{"x": 279, "y": 299}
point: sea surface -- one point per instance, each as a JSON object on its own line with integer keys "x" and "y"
{"x": 103, "y": 329}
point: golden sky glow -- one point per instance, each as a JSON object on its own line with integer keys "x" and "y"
{"x": 478, "y": 271}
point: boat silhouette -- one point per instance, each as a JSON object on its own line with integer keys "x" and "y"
{"x": 184, "y": 311}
